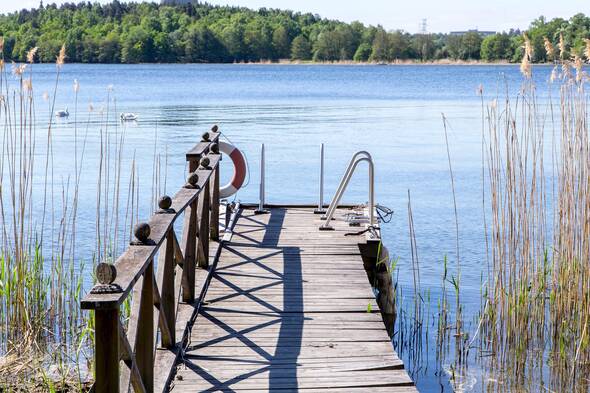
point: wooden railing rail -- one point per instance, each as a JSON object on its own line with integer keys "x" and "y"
{"x": 155, "y": 287}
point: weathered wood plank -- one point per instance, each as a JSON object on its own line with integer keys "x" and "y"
{"x": 287, "y": 308}
{"x": 299, "y": 373}
{"x": 203, "y": 381}
{"x": 185, "y": 314}
{"x": 245, "y": 364}
{"x": 320, "y": 361}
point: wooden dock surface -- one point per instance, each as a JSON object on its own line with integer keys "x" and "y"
{"x": 290, "y": 308}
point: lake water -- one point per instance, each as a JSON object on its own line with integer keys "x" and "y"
{"x": 394, "y": 112}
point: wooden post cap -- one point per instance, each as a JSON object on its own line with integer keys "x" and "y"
{"x": 214, "y": 147}
{"x": 165, "y": 202}
{"x": 192, "y": 179}
{"x": 205, "y": 161}
{"x": 205, "y": 137}
{"x": 142, "y": 231}
{"x": 106, "y": 273}
{"x": 214, "y": 128}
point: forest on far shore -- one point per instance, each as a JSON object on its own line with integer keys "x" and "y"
{"x": 120, "y": 32}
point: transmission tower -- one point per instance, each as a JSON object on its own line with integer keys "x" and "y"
{"x": 424, "y": 26}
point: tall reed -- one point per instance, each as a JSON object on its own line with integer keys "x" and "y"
{"x": 537, "y": 311}
{"x": 532, "y": 332}
{"x": 43, "y": 335}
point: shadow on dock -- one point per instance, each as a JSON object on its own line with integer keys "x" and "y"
{"x": 282, "y": 364}
{"x": 287, "y": 309}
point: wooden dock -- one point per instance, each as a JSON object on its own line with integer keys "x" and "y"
{"x": 290, "y": 308}
{"x": 243, "y": 301}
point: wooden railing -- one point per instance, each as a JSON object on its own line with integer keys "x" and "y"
{"x": 125, "y": 356}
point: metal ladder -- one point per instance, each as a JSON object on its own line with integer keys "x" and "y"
{"x": 357, "y": 158}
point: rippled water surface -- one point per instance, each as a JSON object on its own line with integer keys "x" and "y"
{"x": 395, "y": 112}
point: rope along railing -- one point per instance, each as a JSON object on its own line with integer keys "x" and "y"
{"x": 125, "y": 357}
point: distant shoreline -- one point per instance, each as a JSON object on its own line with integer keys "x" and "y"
{"x": 338, "y": 63}
{"x": 392, "y": 63}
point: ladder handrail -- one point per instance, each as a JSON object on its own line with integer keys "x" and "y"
{"x": 356, "y": 159}
{"x": 347, "y": 173}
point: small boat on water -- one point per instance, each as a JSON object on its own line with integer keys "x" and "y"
{"x": 63, "y": 113}
{"x": 128, "y": 116}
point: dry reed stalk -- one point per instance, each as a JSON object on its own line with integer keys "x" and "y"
{"x": 41, "y": 277}
{"x": 415, "y": 261}
{"x": 540, "y": 288}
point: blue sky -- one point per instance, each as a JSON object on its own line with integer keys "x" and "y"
{"x": 441, "y": 15}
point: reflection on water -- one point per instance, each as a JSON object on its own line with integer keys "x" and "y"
{"x": 393, "y": 112}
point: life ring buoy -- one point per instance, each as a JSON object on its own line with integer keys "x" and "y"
{"x": 239, "y": 169}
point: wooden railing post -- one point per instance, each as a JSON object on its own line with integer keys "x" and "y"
{"x": 144, "y": 351}
{"x": 214, "y": 230}
{"x": 204, "y": 220}
{"x": 189, "y": 239}
{"x": 167, "y": 301}
{"x": 106, "y": 350}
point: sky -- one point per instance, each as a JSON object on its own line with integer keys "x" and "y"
{"x": 441, "y": 15}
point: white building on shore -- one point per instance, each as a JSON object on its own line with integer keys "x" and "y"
{"x": 481, "y": 33}
{"x": 177, "y": 2}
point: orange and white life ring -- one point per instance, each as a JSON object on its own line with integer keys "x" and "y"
{"x": 239, "y": 169}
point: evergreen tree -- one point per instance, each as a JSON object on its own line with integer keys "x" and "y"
{"x": 363, "y": 52}
{"x": 471, "y": 46}
{"x": 380, "y": 50}
{"x": 280, "y": 42}
{"x": 300, "y": 48}
{"x": 496, "y": 47}
{"x": 134, "y": 32}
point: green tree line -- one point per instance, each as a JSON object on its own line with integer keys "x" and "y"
{"x": 202, "y": 33}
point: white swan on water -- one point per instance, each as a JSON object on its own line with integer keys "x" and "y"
{"x": 128, "y": 116}
{"x": 63, "y": 113}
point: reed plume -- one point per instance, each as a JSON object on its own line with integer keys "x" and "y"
{"x": 525, "y": 66}
{"x": 566, "y": 70}
{"x": 28, "y": 84}
{"x": 579, "y": 67}
{"x": 528, "y": 47}
{"x": 561, "y": 46}
{"x": 18, "y": 69}
{"x": 549, "y": 48}
{"x": 31, "y": 55}
{"x": 527, "y": 57}
{"x": 61, "y": 57}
